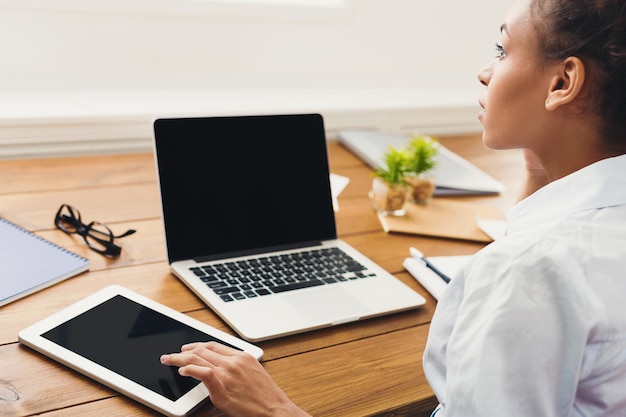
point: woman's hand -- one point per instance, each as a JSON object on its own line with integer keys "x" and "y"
{"x": 238, "y": 384}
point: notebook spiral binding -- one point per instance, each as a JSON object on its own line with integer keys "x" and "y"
{"x": 46, "y": 241}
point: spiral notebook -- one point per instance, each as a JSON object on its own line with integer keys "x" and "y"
{"x": 29, "y": 263}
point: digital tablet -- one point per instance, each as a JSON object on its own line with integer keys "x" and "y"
{"x": 116, "y": 337}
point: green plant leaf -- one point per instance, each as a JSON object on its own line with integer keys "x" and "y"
{"x": 396, "y": 163}
{"x": 422, "y": 152}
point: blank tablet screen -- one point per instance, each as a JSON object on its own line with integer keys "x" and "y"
{"x": 128, "y": 338}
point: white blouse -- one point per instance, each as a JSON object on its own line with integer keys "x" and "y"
{"x": 535, "y": 324}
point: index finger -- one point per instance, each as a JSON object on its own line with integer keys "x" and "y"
{"x": 214, "y": 346}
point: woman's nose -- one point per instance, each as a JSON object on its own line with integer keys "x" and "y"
{"x": 484, "y": 75}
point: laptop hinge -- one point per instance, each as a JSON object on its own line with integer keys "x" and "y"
{"x": 257, "y": 251}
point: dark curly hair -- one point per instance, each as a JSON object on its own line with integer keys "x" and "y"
{"x": 595, "y": 32}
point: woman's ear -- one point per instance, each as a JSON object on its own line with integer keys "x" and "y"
{"x": 567, "y": 83}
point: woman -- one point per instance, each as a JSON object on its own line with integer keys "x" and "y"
{"x": 535, "y": 325}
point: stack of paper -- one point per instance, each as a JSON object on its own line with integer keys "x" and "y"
{"x": 434, "y": 284}
{"x": 448, "y": 265}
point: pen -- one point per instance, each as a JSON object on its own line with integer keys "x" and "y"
{"x": 419, "y": 255}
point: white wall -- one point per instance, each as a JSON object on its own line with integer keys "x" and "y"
{"x": 392, "y": 65}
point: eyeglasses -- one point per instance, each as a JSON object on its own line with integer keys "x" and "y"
{"x": 97, "y": 235}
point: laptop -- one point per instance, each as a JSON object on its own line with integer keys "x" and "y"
{"x": 250, "y": 227}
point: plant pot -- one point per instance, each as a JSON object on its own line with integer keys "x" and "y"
{"x": 388, "y": 199}
{"x": 421, "y": 188}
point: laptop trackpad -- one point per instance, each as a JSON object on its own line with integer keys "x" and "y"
{"x": 329, "y": 305}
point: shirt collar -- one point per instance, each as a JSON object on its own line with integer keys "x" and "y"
{"x": 602, "y": 184}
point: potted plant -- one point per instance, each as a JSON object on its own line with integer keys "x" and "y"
{"x": 389, "y": 190}
{"x": 421, "y": 160}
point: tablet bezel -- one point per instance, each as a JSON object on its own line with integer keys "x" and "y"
{"x": 32, "y": 337}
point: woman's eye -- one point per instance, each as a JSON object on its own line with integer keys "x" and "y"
{"x": 500, "y": 51}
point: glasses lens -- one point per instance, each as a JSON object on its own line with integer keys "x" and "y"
{"x": 100, "y": 238}
{"x": 67, "y": 219}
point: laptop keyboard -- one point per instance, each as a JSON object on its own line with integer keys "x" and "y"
{"x": 240, "y": 280}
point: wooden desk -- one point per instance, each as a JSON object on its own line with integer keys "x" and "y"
{"x": 371, "y": 368}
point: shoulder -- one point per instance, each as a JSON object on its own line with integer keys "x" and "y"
{"x": 534, "y": 280}
{"x": 533, "y": 261}
{"x": 572, "y": 269}
{"x": 572, "y": 251}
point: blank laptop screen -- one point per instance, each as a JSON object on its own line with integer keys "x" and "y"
{"x": 233, "y": 185}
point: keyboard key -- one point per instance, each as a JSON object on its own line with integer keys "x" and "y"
{"x": 296, "y": 286}
{"x": 199, "y": 272}
{"x": 226, "y": 290}
{"x": 209, "y": 269}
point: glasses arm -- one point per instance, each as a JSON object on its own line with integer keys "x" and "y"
{"x": 126, "y": 233}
